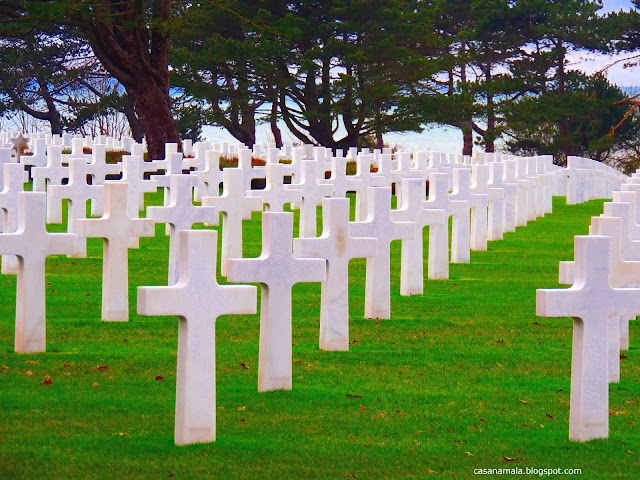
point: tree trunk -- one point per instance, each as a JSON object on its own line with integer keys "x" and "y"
{"x": 136, "y": 53}
{"x": 490, "y": 134}
{"x": 137, "y": 132}
{"x": 563, "y": 121}
{"x": 152, "y": 108}
{"x": 56, "y": 122}
{"x": 275, "y": 130}
{"x": 467, "y": 138}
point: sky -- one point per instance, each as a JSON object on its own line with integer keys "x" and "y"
{"x": 624, "y": 77}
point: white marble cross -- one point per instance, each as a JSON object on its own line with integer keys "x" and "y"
{"x": 412, "y": 209}
{"x": 513, "y": 191}
{"x": 51, "y": 174}
{"x": 312, "y": 194}
{"x": 277, "y": 270}
{"x": 77, "y": 191}
{"x": 525, "y": 195}
{"x": 181, "y": 214}
{"x": 39, "y": 156}
{"x": 461, "y": 212}
{"x": 171, "y": 165}
{"x": 197, "y": 300}
{"x": 379, "y": 224}
{"x": 535, "y": 195}
{"x": 117, "y": 228}
{"x": 337, "y": 246}
{"x": 210, "y": 178}
{"x": 15, "y": 176}
{"x": 342, "y": 183}
{"x": 622, "y": 274}
{"x": 33, "y": 244}
{"x": 274, "y": 195}
{"x": 99, "y": 169}
{"x": 5, "y": 158}
{"x": 235, "y": 207}
{"x": 131, "y": 174}
{"x": 629, "y": 249}
{"x": 497, "y": 196}
{"x": 479, "y": 203}
{"x": 367, "y": 179}
{"x": 593, "y": 304}
{"x": 249, "y": 172}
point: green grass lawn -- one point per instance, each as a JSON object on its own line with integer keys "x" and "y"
{"x": 463, "y": 377}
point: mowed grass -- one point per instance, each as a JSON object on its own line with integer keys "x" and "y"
{"x": 463, "y": 377}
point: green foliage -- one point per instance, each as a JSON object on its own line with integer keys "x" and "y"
{"x": 338, "y": 74}
{"x": 589, "y": 104}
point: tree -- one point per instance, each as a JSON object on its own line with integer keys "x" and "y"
{"x": 214, "y": 59}
{"x": 39, "y": 73}
{"x": 131, "y": 39}
{"x": 555, "y": 29}
{"x": 341, "y": 68}
{"x": 596, "y": 108}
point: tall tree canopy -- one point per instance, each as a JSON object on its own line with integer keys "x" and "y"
{"x": 132, "y": 41}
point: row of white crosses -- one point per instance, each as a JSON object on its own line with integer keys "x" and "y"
{"x": 604, "y": 296}
{"x": 276, "y": 270}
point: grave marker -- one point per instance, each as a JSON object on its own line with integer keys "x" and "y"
{"x": 235, "y": 207}
{"x": 116, "y": 228}
{"x": 277, "y": 270}
{"x": 379, "y": 224}
{"x": 412, "y": 209}
{"x": 592, "y": 303}
{"x": 33, "y": 244}
{"x": 337, "y": 246}
{"x": 181, "y": 214}
{"x": 195, "y": 419}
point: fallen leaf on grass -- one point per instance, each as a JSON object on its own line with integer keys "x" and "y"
{"x": 623, "y": 356}
{"x": 629, "y": 423}
{"x": 524, "y": 402}
{"x": 169, "y": 474}
{"x": 4, "y": 367}
{"x": 66, "y": 365}
{"x": 351, "y": 475}
{"x": 353, "y": 395}
{"x": 468, "y": 454}
{"x": 355, "y": 342}
{"x": 499, "y": 364}
{"x": 159, "y": 377}
{"x": 96, "y": 385}
{"x": 102, "y": 367}
{"x": 47, "y": 381}
{"x": 548, "y": 415}
{"x": 244, "y": 365}
{"x": 33, "y": 362}
{"x": 616, "y": 413}
{"x": 244, "y": 407}
{"x": 29, "y": 372}
{"x": 428, "y": 470}
{"x": 362, "y": 408}
{"x": 508, "y": 459}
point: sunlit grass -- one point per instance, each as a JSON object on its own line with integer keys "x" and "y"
{"x": 463, "y": 377}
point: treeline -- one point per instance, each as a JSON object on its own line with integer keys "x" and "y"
{"x": 336, "y": 73}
